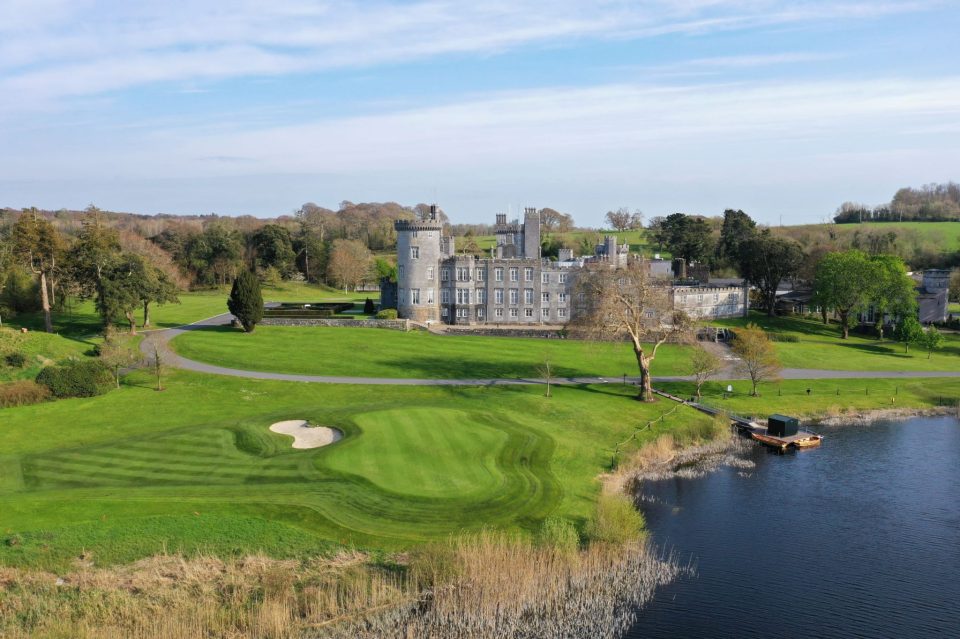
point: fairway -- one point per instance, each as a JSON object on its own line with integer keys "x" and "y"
{"x": 135, "y": 472}
{"x": 319, "y": 350}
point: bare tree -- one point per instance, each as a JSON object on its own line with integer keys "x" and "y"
{"x": 758, "y": 357}
{"x": 545, "y": 370}
{"x": 159, "y": 365}
{"x": 619, "y": 219}
{"x": 350, "y": 263}
{"x": 626, "y": 303}
{"x": 118, "y": 351}
{"x": 703, "y": 366}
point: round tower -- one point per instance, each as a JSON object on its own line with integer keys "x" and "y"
{"x": 418, "y": 268}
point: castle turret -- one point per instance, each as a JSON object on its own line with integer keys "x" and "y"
{"x": 418, "y": 260}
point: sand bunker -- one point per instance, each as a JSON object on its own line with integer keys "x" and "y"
{"x": 306, "y": 436}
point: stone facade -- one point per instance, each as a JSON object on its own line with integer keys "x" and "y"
{"x": 514, "y": 286}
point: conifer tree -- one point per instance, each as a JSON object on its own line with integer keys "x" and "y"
{"x": 245, "y": 301}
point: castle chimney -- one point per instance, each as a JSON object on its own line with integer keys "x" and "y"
{"x": 433, "y": 212}
{"x": 501, "y": 219}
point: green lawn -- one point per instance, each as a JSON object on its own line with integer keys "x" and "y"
{"x": 945, "y": 235}
{"x": 80, "y": 318}
{"x": 827, "y": 397}
{"x": 195, "y": 468}
{"x": 385, "y": 353}
{"x": 821, "y": 346}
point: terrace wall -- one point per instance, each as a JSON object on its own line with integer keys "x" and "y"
{"x": 396, "y": 325}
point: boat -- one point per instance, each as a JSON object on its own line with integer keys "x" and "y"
{"x": 767, "y": 440}
{"x": 809, "y": 442}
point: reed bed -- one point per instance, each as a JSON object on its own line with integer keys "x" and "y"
{"x": 489, "y": 584}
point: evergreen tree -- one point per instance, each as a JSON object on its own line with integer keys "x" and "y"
{"x": 245, "y": 301}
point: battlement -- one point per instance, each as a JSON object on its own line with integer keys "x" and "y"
{"x": 417, "y": 225}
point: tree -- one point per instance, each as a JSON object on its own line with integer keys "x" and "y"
{"x": 160, "y": 289}
{"x": 552, "y": 221}
{"x": 626, "y": 302}
{"x": 246, "y": 301}
{"x": 545, "y": 370}
{"x": 117, "y": 352}
{"x": 38, "y": 246}
{"x": 909, "y": 331}
{"x": 159, "y": 365}
{"x": 765, "y": 260}
{"x": 757, "y": 356}
{"x": 123, "y": 287}
{"x": 96, "y": 249}
{"x": 955, "y": 286}
{"x": 658, "y": 231}
{"x": 737, "y": 228}
{"x": 620, "y": 219}
{"x": 703, "y": 366}
{"x": 349, "y": 263}
{"x": 273, "y": 247}
{"x": 687, "y": 237}
{"x": 844, "y": 282}
{"x": 932, "y": 340}
{"x": 892, "y": 290}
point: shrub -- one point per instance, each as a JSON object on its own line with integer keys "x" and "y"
{"x": 15, "y": 359}
{"x": 784, "y": 337}
{"x": 559, "y": 533}
{"x": 387, "y": 313}
{"x": 20, "y": 291}
{"x": 22, "y": 393}
{"x": 368, "y": 307}
{"x": 615, "y": 521}
{"x": 77, "y": 378}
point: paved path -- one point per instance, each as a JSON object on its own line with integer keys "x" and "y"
{"x": 162, "y": 340}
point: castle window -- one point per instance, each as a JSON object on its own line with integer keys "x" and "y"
{"x": 444, "y": 296}
{"x": 561, "y": 312}
{"x": 498, "y": 295}
{"x": 498, "y": 312}
{"x": 545, "y": 313}
{"x": 463, "y": 312}
{"x": 444, "y": 275}
{"x": 481, "y": 296}
{"x": 528, "y": 312}
{"x": 414, "y": 234}
{"x": 443, "y": 312}
{"x": 498, "y": 274}
{"x": 400, "y": 271}
{"x": 514, "y": 275}
{"x": 545, "y": 298}
{"x": 463, "y": 296}
{"x": 528, "y": 296}
{"x": 545, "y": 278}
{"x": 513, "y": 313}
{"x": 414, "y": 252}
{"x": 481, "y": 274}
{"x": 700, "y": 299}
{"x": 514, "y": 296}
{"x": 480, "y": 313}
{"x": 716, "y": 297}
{"x": 562, "y": 298}
{"x": 414, "y": 295}
{"x": 562, "y": 278}
{"x": 528, "y": 275}
{"x": 463, "y": 274}
{"x": 429, "y": 272}
{"x": 430, "y": 298}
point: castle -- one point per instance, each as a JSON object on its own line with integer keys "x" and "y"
{"x": 515, "y": 285}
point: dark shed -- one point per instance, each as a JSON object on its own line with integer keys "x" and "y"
{"x": 782, "y": 426}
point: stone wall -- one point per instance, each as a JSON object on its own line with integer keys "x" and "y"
{"x": 396, "y": 325}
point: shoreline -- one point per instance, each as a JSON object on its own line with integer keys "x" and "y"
{"x": 867, "y": 417}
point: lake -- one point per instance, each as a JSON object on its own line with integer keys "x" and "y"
{"x": 859, "y": 538}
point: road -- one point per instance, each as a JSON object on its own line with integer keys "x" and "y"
{"x": 162, "y": 340}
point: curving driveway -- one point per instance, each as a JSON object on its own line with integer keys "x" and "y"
{"x": 161, "y": 339}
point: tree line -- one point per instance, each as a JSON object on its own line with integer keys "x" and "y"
{"x": 929, "y": 203}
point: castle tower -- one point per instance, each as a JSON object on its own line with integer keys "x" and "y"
{"x": 531, "y": 233}
{"x": 418, "y": 267}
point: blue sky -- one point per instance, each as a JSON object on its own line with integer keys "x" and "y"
{"x": 784, "y": 109}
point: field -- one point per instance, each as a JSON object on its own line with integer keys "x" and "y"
{"x": 194, "y": 468}
{"x": 385, "y": 353}
{"x": 820, "y": 346}
{"x": 945, "y": 235}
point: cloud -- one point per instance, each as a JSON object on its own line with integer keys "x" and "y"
{"x": 51, "y": 49}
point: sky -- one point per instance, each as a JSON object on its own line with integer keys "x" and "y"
{"x": 784, "y": 109}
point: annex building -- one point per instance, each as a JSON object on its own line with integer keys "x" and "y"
{"x": 515, "y": 285}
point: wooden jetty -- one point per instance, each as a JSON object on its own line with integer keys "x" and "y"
{"x": 780, "y": 433}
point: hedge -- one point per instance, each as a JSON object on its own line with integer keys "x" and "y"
{"x": 77, "y": 378}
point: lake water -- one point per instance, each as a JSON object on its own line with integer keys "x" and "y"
{"x": 859, "y": 538}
